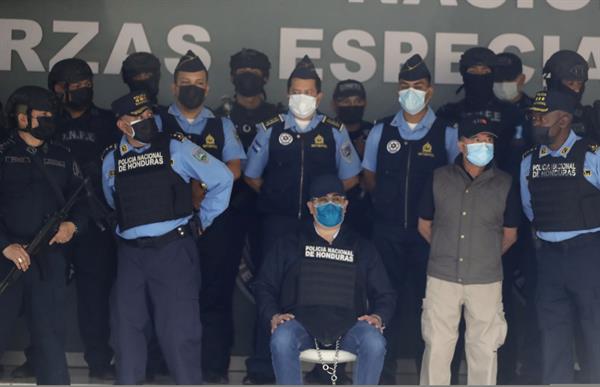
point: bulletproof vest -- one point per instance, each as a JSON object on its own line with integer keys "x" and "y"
{"x": 147, "y": 189}
{"x": 403, "y": 168}
{"x": 294, "y": 160}
{"x": 211, "y": 140}
{"x": 561, "y": 198}
{"x": 327, "y": 288}
{"x": 245, "y": 120}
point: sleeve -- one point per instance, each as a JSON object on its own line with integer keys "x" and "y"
{"x": 525, "y": 194}
{"x": 258, "y": 153}
{"x": 381, "y": 295}
{"x": 371, "y": 148}
{"x": 108, "y": 179}
{"x": 427, "y": 204}
{"x": 452, "y": 143}
{"x": 512, "y": 212}
{"x": 346, "y": 157}
{"x": 79, "y": 213}
{"x": 233, "y": 148}
{"x": 592, "y": 162}
{"x": 192, "y": 162}
{"x": 267, "y": 286}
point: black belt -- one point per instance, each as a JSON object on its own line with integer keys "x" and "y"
{"x": 578, "y": 241}
{"x": 159, "y": 241}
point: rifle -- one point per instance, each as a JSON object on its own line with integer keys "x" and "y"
{"x": 43, "y": 237}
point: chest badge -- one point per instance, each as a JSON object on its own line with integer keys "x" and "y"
{"x": 587, "y": 172}
{"x": 319, "y": 142}
{"x": 124, "y": 149}
{"x": 393, "y": 146}
{"x": 427, "y": 150}
{"x": 285, "y": 139}
{"x": 209, "y": 142}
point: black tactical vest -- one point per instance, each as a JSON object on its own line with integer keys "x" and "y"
{"x": 403, "y": 168}
{"x": 294, "y": 160}
{"x": 211, "y": 140}
{"x": 561, "y": 198}
{"x": 147, "y": 189}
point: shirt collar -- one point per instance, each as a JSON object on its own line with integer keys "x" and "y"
{"x": 563, "y": 151}
{"x": 334, "y": 235}
{"x": 419, "y": 131}
{"x": 205, "y": 113}
{"x": 290, "y": 122}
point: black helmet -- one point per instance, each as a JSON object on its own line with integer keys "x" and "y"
{"x": 566, "y": 65}
{"x": 69, "y": 70}
{"x": 477, "y": 56}
{"x": 27, "y": 98}
{"x": 250, "y": 58}
{"x": 137, "y": 63}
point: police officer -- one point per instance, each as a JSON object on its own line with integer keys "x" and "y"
{"x": 567, "y": 71}
{"x": 560, "y": 193}
{"x": 146, "y": 177}
{"x": 219, "y": 252}
{"x": 140, "y": 71}
{"x": 288, "y": 152}
{"x": 340, "y": 294}
{"x": 401, "y": 153}
{"x": 36, "y": 177}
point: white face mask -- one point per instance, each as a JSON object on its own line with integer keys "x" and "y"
{"x": 412, "y": 100}
{"x": 302, "y": 106}
{"x": 506, "y": 91}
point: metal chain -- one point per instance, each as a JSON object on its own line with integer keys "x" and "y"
{"x": 326, "y": 367}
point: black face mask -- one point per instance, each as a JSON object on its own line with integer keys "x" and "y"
{"x": 145, "y": 130}
{"x": 248, "y": 84}
{"x": 541, "y": 134}
{"x": 479, "y": 89}
{"x": 191, "y": 97}
{"x": 150, "y": 86}
{"x": 45, "y": 129}
{"x": 561, "y": 87}
{"x": 350, "y": 115}
{"x": 80, "y": 99}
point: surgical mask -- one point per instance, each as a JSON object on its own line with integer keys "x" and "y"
{"x": 480, "y": 153}
{"x": 350, "y": 115}
{"x": 45, "y": 129}
{"x": 191, "y": 97}
{"x": 329, "y": 214}
{"x": 80, "y": 99}
{"x": 150, "y": 86}
{"x": 144, "y": 130}
{"x": 506, "y": 91}
{"x": 248, "y": 84}
{"x": 541, "y": 134}
{"x": 302, "y": 106}
{"x": 412, "y": 100}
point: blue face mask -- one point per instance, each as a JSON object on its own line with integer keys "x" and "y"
{"x": 480, "y": 153}
{"x": 329, "y": 214}
{"x": 412, "y": 100}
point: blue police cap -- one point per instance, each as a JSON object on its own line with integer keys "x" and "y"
{"x": 547, "y": 101}
{"x": 132, "y": 104}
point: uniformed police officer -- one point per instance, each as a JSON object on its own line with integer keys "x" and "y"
{"x": 401, "y": 153}
{"x": 560, "y": 192}
{"x": 146, "y": 177}
{"x": 288, "y": 152}
{"x": 567, "y": 71}
{"x": 219, "y": 253}
{"x": 325, "y": 285}
{"x": 36, "y": 177}
{"x": 141, "y": 72}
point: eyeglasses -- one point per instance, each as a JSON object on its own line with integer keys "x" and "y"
{"x": 331, "y": 198}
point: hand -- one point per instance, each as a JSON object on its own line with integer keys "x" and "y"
{"x": 198, "y": 194}
{"x": 65, "y": 233}
{"x": 373, "y": 320}
{"x": 18, "y": 255}
{"x": 279, "y": 319}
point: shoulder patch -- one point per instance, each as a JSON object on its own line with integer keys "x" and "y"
{"x": 529, "y": 151}
{"x": 272, "y": 121}
{"x": 593, "y": 147}
{"x": 108, "y": 150}
{"x": 330, "y": 121}
{"x": 178, "y": 136}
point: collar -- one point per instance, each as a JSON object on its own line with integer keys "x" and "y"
{"x": 204, "y": 114}
{"x": 125, "y": 146}
{"x": 30, "y": 149}
{"x": 563, "y": 151}
{"x": 459, "y": 162}
{"x": 290, "y": 122}
{"x": 420, "y": 130}
{"x": 334, "y": 235}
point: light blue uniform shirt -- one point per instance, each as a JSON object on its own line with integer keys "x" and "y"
{"x": 420, "y": 131}
{"x": 232, "y": 147}
{"x": 346, "y": 159}
{"x": 190, "y": 162}
{"x": 591, "y": 163}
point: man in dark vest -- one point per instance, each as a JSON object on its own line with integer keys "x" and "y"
{"x": 146, "y": 178}
{"x": 560, "y": 192}
{"x": 324, "y": 285}
{"x": 401, "y": 153}
{"x": 288, "y": 152}
{"x": 469, "y": 214}
{"x": 219, "y": 252}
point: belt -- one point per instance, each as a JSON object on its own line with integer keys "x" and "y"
{"x": 578, "y": 241}
{"x": 159, "y": 241}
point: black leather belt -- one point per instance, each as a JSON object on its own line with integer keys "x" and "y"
{"x": 159, "y": 241}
